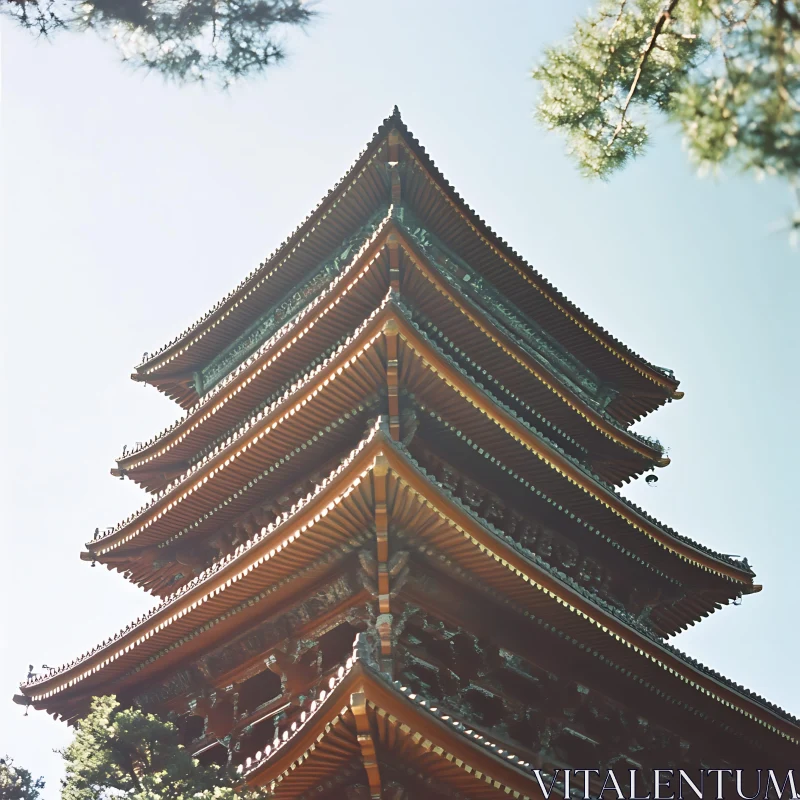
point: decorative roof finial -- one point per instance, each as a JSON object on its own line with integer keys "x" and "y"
{"x": 396, "y": 112}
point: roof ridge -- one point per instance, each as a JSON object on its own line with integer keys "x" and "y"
{"x": 378, "y": 427}
{"x": 534, "y": 558}
{"x": 622, "y": 616}
{"x": 255, "y": 273}
{"x": 395, "y": 300}
{"x": 363, "y": 658}
{"x": 546, "y": 286}
{"x": 505, "y": 251}
{"x": 391, "y": 218}
{"x": 268, "y": 343}
{"x": 577, "y": 464}
{"x": 552, "y": 501}
{"x": 513, "y": 329}
{"x": 244, "y": 428}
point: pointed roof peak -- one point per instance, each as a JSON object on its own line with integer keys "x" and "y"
{"x": 394, "y": 120}
{"x": 171, "y": 367}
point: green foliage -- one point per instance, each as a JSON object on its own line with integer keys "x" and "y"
{"x": 186, "y": 40}
{"x": 128, "y": 754}
{"x": 17, "y": 783}
{"x": 726, "y": 71}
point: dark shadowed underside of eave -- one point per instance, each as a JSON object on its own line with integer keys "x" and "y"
{"x": 325, "y": 533}
{"x": 490, "y": 570}
{"x": 484, "y": 427}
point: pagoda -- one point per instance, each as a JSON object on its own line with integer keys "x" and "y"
{"x": 386, "y": 538}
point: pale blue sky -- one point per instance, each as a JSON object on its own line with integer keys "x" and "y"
{"x": 131, "y": 206}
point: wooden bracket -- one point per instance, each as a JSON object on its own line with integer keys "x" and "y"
{"x": 393, "y": 140}
{"x": 392, "y": 377}
{"x": 394, "y": 261}
{"x": 384, "y": 626}
{"x": 358, "y": 704}
{"x": 380, "y": 471}
{"x": 384, "y": 622}
{"x": 393, "y": 160}
{"x": 397, "y": 186}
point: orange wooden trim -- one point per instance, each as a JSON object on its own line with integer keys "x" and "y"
{"x": 217, "y": 582}
{"x": 381, "y": 451}
{"x": 392, "y": 236}
{"x": 278, "y": 415}
{"x": 390, "y": 316}
{"x": 392, "y": 377}
{"x": 360, "y": 681}
{"x": 369, "y": 756}
{"x": 379, "y": 478}
{"x": 394, "y": 260}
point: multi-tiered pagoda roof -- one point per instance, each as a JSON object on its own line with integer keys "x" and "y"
{"x": 395, "y": 428}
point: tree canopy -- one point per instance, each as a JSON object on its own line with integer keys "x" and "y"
{"x": 186, "y": 40}
{"x": 16, "y": 783}
{"x": 129, "y": 754}
{"x": 726, "y": 71}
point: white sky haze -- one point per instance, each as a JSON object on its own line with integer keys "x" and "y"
{"x": 132, "y": 205}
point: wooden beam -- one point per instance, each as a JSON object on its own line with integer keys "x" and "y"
{"x": 393, "y": 140}
{"x": 393, "y": 243}
{"x": 358, "y": 705}
{"x": 384, "y": 622}
{"x": 390, "y": 331}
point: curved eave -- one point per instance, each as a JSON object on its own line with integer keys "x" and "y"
{"x": 233, "y": 397}
{"x": 582, "y": 322}
{"x": 690, "y": 610}
{"x": 363, "y": 699}
{"x": 171, "y": 367}
{"x": 281, "y": 413}
{"x": 524, "y": 581}
{"x": 432, "y": 359}
{"x": 261, "y": 373}
{"x": 594, "y": 541}
{"x": 270, "y": 561}
{"x": 511, "y": 347}
{"x": 557, "y": 461}
{"x": 536, "y": 586}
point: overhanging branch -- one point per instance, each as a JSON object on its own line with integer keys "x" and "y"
{"x": 663, "y": 18}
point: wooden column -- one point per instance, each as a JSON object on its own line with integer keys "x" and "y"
{"x": 393, "y": 140}
{"x": 358, "y": 704}
{"x": 384, "y": 620}
{"x": 392, "y": 377}
{"x": 394, "y": 261}
{"x": 394, "y": 172}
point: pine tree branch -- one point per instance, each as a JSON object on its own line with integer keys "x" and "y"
{"x": 782, "y": 15}
{"x": 663, "y": 18}
{"x": 785, "y": 15}
{"x": 619, "y": 17}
